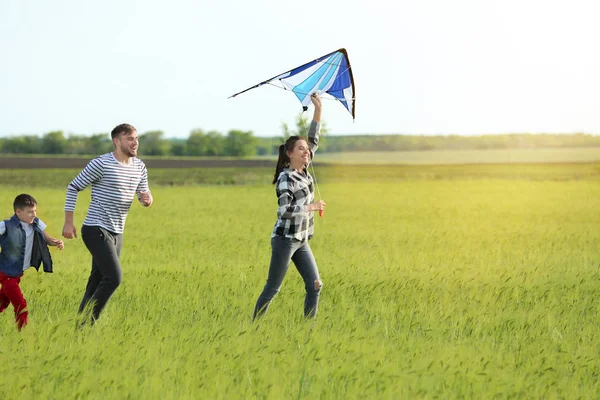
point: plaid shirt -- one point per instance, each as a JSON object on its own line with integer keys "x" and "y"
{"x": 295, "y": 191}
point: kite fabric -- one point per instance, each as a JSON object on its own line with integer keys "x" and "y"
{"x": 329, "y": 74}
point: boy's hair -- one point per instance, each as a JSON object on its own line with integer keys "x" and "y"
{"x": 24, "y": 200}
{"x": 123, "y": 128}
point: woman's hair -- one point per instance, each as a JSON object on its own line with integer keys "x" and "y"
{"x": 283, "y": 160}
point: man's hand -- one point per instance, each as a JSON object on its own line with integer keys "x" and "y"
{"x": 69, "y": 231}
{"x": 146, "y": 199}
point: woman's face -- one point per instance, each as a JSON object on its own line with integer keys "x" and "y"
{"x": 300, "y": 153}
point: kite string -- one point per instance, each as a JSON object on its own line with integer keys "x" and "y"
{"x": 315, "y": 179}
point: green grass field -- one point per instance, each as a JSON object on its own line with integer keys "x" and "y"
{"x": 466, "y": 281}
{"x": 443, "y": 157}
{"x": 425, "y": 157}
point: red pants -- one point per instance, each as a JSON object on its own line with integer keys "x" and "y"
{"x": 10, "y": 292}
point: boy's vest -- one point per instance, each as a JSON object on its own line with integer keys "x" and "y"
{"x": 13, "y": 248}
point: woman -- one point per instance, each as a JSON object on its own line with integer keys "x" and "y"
{"x": 295, "y": 218}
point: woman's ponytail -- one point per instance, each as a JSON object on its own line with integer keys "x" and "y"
{"x": 282, "y": 161}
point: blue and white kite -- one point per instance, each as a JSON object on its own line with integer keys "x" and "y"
{"x": 329, "y": 74}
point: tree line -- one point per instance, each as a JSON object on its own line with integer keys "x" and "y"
{"x": 235, "y": 143}
{"x": 238, "y": 143}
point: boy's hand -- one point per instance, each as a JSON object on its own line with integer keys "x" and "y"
{"x": 58, "y": 243}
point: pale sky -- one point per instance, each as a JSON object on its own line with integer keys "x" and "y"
{"x": 420, "y": 66}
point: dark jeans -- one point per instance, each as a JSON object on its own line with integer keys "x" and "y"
{"x": 106, "y": 275}
{"x": 285, "y": 250}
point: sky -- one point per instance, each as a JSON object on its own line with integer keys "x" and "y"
{"x": 429, "y": 67}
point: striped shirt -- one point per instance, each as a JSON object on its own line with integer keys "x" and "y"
{"x": 114, "y": 186}
{"x": 295, "y": 191}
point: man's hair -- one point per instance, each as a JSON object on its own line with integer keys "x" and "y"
{"x": 120, "y": 129}
{"x": 23, "y": 200}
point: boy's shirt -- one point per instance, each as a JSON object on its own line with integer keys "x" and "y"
{"x": 28, "y": 228}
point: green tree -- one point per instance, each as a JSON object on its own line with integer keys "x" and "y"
{"x": 240, "y": 143}
{"x": 301, "y": 128}
{"x": 76, "y": 144}
{"x": 216, "y": 143}
{"x": 54, "y": 143}
{"x": 26, "y": 144}
{"x": 99, "y": 143}
{"x": 196, "y": 143}
{"x": 178, "y": 148}
{"x": 201, "y": 143}
{"x": 153, "y": 144}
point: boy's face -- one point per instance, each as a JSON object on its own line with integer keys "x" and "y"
{"x": 27, "y": 214}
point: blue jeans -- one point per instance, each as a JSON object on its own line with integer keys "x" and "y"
{"x": 285, "y": 250}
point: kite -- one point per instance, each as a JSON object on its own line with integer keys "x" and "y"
{"x": 329, "y": 74}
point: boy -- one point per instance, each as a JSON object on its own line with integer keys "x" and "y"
{"x": 24, "y": 243}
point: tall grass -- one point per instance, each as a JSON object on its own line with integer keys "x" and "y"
{"x": 481, "y": 156}
{"x": 432, "y": 288}
{"x": 60, "y": 178}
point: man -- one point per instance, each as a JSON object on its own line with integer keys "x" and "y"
{"x": 116, "y": 178}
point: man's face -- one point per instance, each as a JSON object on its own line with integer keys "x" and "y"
{"x": 27, "y": 214}
{"x": 128, "y": 143}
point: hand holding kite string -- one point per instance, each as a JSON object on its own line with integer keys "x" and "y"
{"x": 316, "y": 100}
{"x": 318, "y": 205}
